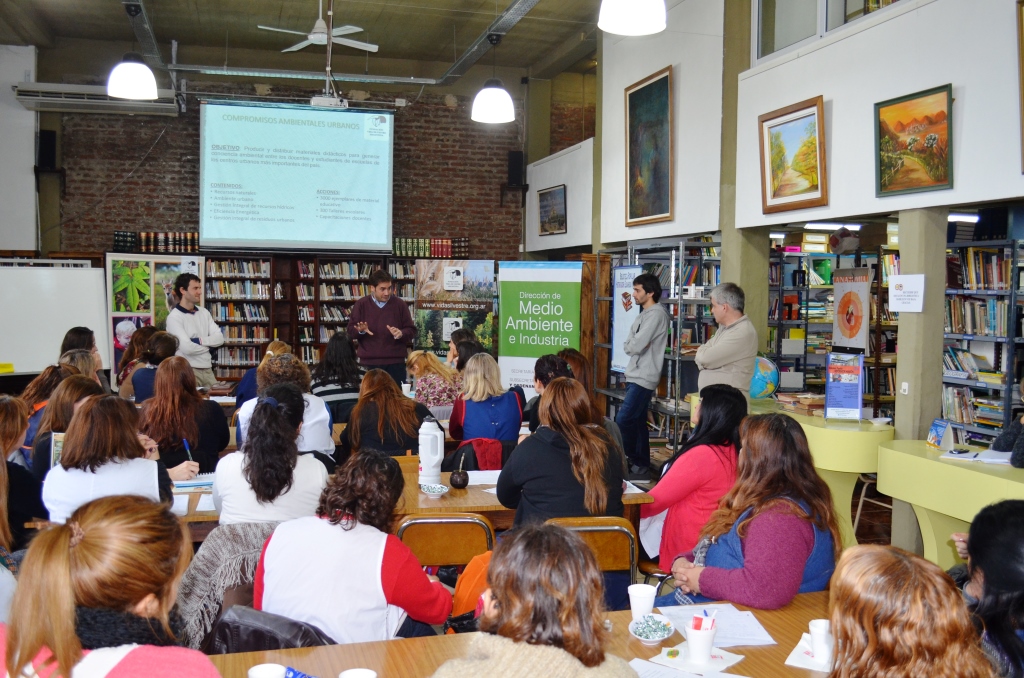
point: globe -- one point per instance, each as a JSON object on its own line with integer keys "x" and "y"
{"x": 766, "y": 378}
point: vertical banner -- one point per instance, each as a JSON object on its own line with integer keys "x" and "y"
{"x": 453, "y": 294}
{"x": 624, "y": 312}
{"x": 843, "y": 396}
{"x": 539, "y": 303}
{"x": 852, "y": 308}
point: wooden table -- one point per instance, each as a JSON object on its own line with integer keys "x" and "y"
{"x": 414, "y": 657}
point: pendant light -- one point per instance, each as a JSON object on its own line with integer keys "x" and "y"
{"x": 132, "y": 79}
{"x": 632, "y": 17}
{"x": 493, "y": 103}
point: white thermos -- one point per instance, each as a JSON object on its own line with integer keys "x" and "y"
{"x": 431, "y": 452}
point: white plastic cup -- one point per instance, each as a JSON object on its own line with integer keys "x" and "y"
{"x": 358, "y": 673}
{"x": 267, "y": 671}
{"x": 821, "y": 640}
{"x": 641, "y": 600}
{"x": 406, "y": 390}
{"x": 700, "y": 644}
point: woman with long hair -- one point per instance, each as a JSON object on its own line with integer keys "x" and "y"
{"x": 268, "y": 480}
{"x": 247, "y": 386}
{"x": 775, "y": 533}
{"x": 186, "y": 426}
{"x": 103, "y": 456}
{"x": 583, "y": 372}
{"x": 378, "y": 590}
{"x": 437, "y": 385}
{"x": 485, "y": 409}
{"x": 384, "y": 419}
{"x": 698, "y": 475}
{"x": 543, "y": 613}
{"x": 64, "y": 402}
{"x": 160, "y": 347}
{"x": 96, "y": 595}
{"x": 130, "y": 359}
{"x": 36, "y": 395}
{"x": 82, "y": 338}
{"x": 86, "y": 362}
{"x": 896, "y": 615}
{"x": 547, "y": 368}
{"x": 566, "y": 468}
{"x": 336, "y": 377}
{"x": 464, "y": 351}
{"x": 458, "y": 336}
{"x": 20, "y": 493}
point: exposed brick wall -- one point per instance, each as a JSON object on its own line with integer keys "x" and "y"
{"x": 571, "y": 124}
{"x": 447, "y": 175}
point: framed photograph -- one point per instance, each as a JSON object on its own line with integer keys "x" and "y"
{"x": 649, "y": 149}
{"x": 551, "y": 203}
{"x": 914, "y": 142}
{"x": 794, "y": 174}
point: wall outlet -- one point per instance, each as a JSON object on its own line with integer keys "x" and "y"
{"x": 904, "y": 388}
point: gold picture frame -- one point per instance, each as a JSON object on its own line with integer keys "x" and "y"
{"x": 650, "y": 149}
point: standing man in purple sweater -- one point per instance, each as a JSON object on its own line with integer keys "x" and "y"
{"x": 382, "y": 325}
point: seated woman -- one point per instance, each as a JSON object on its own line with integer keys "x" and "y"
{"x": 86, "y": 362}
{"x": 698, "y": 475}
{"x": 543, "y": 613}
{"x": 459, "y": 335}
{"x": 464, "y": 351}
{"x": 246, "y": 388}
{"x": 377, "y": 589}
{"x": 336, "y": 377}
{"x": 315, "y": 436}
{"x": 384, "y": 419}
{"x": 485, "y": 409}
{"x": 131, "y": 358}
{"x": 107, "y": 580}
{"x": 896, "y": 615}
{"x": 565, "y": 469}
{"x": 436, "y": 384}
{"x": 64, "y": 402}
{"x": 103, "y": 456}
{"x": 36, "y": 395}
{"x": 774, "y": 534}
{"x": 546, "y": 368}
{"x": 186, "y": 426}
{"x": 20, "y": 493}
{"x": 268, "y": 480}
{"x": 82, "y": 338}
{"x": 161, "y": 346}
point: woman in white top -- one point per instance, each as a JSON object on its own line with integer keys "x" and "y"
{"x": 102, "y": 456}
{"x": 268, "y": 480}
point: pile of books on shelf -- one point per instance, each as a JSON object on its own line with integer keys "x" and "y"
{"x": 810, "y": 404}
{"x": 168, "y": 242}
{"x": 244, "y": 289}
{"x": 962, "y": 364}
{"x": 335, "y": 314}
{"x": 431, "y": 248}
{"x": 890, "y": 264}
{"x": 306, "y": 335}
{"x": 306, "y": 292}
{"x": 819, "y": 343}
{"x": 979, "y": 268}
{"x": 402, "y": 269}
{"x": 819, "y": 306}
{"x": 237, "y": 268}
{"x": 887, "y": 315}
{"x": 961, "y": 406}
{"x": 708, "y": 251}
{"x": 305, "y": 314}
{"x": 988, "y": 317}
{"x": 305, "y": 268}
{"x": 309, "y": 354}
{"x": 346, "y": 270}
{"x": 343, "y": 292}
{"x": 245, "y": 334}
{"x": 238, "y": 312}
{"x": 237, "y": 357}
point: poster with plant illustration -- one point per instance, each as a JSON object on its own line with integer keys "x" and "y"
{"x": 453, "y": 294}
{"x": 793, "y": 168}
{"x": 132, "y": 290}
{"x": 914, "y": 142}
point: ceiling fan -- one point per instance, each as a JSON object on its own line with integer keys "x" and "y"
{"x": 318, "y": 36}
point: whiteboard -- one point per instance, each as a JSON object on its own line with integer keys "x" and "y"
{"x": 39, "y": 305}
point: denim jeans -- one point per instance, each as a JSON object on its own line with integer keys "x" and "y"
{"x": 632, "y": 421}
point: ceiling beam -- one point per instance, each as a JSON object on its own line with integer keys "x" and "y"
{"x": 26, "y": 22}
{"x": 577, "y": 47}
{"x": 143, "y": 31}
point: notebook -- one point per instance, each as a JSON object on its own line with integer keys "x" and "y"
{"x": 200, "y": 481}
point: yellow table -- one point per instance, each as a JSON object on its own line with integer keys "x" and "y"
{"x": 945, "y": 494}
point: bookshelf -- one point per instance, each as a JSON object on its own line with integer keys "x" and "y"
{"x": 788, "y": 306}
{"x": 880, "y": 366}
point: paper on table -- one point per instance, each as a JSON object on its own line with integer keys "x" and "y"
{"x": 734, "y": 627}
{"x": 803, "y": 657}
{"x": 484, "y": 477}
{"x": 720, "y": 660}
{"x": 180, "y": 507}
{"x": 646, "y": 669}
{"x": 632, "y": 489}
{"x": 206, "y": 503}
{"x": 229, "y": 400}
{"x": 992, "y": 457}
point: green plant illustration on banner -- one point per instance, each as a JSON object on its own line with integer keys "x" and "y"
{"x": 132, "y": 289}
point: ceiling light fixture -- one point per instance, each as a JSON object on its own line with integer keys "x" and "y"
{"x": 132, "y": 79}
{"x": 632, "y": 17}
{"x": 966, "y": 218}
{"x": 493, "y": 103}
{"x": 821, "y": 226}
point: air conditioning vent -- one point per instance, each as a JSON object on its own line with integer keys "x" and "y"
{"x": 54, "y": 98}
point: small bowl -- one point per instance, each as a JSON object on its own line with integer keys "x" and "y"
{"x": 434, "y": 491}
{"x": 651, "y": 642}
{"x": 879, "y": 422}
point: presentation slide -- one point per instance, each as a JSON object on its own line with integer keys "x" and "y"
{"x": 295, "y": 177}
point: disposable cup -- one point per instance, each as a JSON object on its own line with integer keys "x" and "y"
{"x": 700, "y": 643}
{"x": 641, "y": 600}
{"x": 267, "y": 671}
{"x": 821, "y": 640}
{"x": 406, "y": 389}
{"x": 358, "y": 673}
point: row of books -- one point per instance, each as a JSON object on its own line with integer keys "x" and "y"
{"x": 306, "y": 292}
{"x": 988, "y": 317}
{"x": 890, "y": 264}
{"x": 707, "y": 251}
{"x": 237, "y": 268}
{"x": 305, "y": 314}
{"x": 238, "y": 356}
{"x": 343, "y": 292}
{"x": 820, "y": 305}
{"x": 819, "y": 343}
{"x": 975, "y": 366}
{"x": 238, "y": 312}
{"x": 163, "y": 242}
{"x": 979, "y": 268}
{"x": 961, "y": 406}
{"x": 245, "y": 334}
{"x": 663, "y": 273}
{"x": 789, "y": 308}
{"x": 436, "y": 248}
{"x": 401, "y": 269}
{"x": 346, "y": 270}
{"x": 887, "y": 315}
{"x": 886, "y": 381}
{"x": 335, "y": 314}
{"x": 706, "y": 276}
{"x": 242, "y": 289}
{"x": 306, "y": 335}
{"x": 309, "y": 354}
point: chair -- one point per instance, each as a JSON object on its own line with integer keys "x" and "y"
{"x": 336, "y": 433}
{"x": 867, "y": 479}
{"x": 243, "y": 629}
{"x": 451, "y": 539}
{"x": 612, "y": 540}
{"x": 441, "y": 413}
{"x": 650, "y": 570}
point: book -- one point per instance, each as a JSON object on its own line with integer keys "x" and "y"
{"x": 202, "y": 480}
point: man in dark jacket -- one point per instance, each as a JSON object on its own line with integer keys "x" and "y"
{"x": 382, "y": 325}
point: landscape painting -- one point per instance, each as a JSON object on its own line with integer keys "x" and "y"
{"x": 793, "y": 168}
{"x": 649, "y": 149}
{"x": 913, "y": 142}
{"x": 551, "y": 203}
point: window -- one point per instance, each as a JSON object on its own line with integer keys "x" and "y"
{"x": 783, "y": 24}
{"x": 841, "y": 12}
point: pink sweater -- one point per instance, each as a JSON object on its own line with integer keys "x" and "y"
{"x": 690, "y": 490}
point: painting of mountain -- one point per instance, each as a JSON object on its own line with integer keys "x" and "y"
{"x": 912, "y": 143}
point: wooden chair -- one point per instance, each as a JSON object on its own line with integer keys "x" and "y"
{"x": 336, "y": 433}
{"x": 451, "y": 539}
{"x": 612, "y": 539}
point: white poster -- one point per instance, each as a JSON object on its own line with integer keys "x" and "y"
{"x": 906, "y": 293}
{"x": 852, "y": 310}
{"x": 624, "y": 312}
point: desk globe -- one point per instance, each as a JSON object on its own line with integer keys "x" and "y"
{"x": 765, "y": 381}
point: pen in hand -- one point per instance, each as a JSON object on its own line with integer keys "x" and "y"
{"x": 188, "y": 450}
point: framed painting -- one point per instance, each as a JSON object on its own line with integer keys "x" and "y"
{"x": 1020, "y": 75}
{"x": 914, "y": 142}
{"x": 794, "y": 173}
{"x": 649, "y": 149}
{"x": 551, "y": 204}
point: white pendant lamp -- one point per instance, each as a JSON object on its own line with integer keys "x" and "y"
{"x": 132, "y": 79}
{"x": 493, "y": 104}
{"x": 632, "y": 17}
